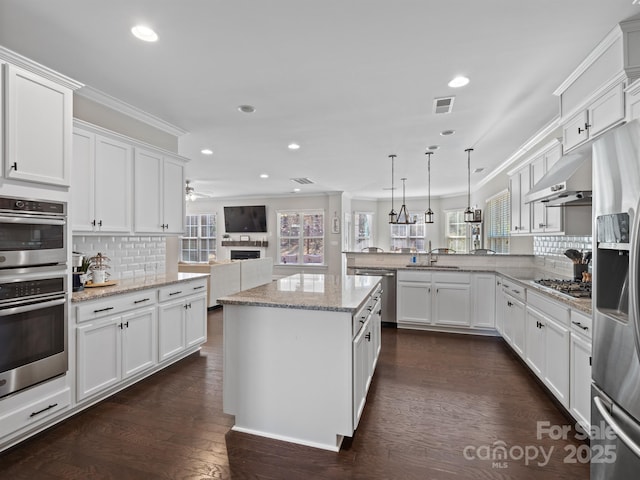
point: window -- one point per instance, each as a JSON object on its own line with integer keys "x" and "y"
{"x": 408, "y": 236}
{"x": 456, "y": 231}
{"x": 199, "y": 240}
{"x": 499, "y": 209}
{"x": 301, "y": 237}
{"x": 363, "y": 226}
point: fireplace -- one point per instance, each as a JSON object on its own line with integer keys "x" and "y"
{"x": 244, "y": 254}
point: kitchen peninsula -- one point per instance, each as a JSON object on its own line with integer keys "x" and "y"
{"x": 299, "y": 355}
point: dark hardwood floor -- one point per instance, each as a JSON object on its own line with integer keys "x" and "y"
{"x": 437, "y": 405}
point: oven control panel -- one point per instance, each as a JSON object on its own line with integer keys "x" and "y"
{"x": 9, "y": 204}
{"x": 30, "y": 288}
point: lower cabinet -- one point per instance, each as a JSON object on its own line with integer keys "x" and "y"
{"x": 580, "y": 369}
{"x": 483, "y": 292}
{"x": 414, "y": 301}
{"x": 451, "y": 300}
{"x": 514, "y": 322}
{"x": 113, "y": 349}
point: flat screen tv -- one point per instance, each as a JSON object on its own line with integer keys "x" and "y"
{"x": 245, "y": 219}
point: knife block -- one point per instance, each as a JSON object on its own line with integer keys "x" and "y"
{"x": 578, "y": 268}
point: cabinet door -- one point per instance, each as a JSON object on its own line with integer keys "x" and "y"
{"x": 173, "y": 196}
{"x": 538, "y": 221}
{"x": 525, "y": 208}
{"x": 515, "y": 317}
{"x": 195, "y": 321}
{"x": 147, "y": 191}
{"x": 82, "y": 182}
{"x": 484, "y": 302}
{"x": 534, "y": 342}
{"x": 360, "y": 372}
{"x": 38, "y": 116}
{"x": 139, "y": 341}
{"x": 580, "y": 374}
{"x": 99, "y": 356}
{"x": 556, "y": 375}
{"x": 606, "y": 111}
{"x": 414, "y": 302}
{"x": 499, "y": 301}
{"x": 171, "y": 340}
{"x": 514, "y": 190}
{"x": 113, "y": 185}
{"x": 451, "y": 305}
{"x": 574, "y": 131}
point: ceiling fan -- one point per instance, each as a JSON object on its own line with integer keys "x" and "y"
{"x": 191, "y": 194}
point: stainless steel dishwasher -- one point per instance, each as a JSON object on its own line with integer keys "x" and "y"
{"x": 388, "y": 292}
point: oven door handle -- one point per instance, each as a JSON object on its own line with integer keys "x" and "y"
{"x": 33, "y": 220}
{"x": 31, "y": 307}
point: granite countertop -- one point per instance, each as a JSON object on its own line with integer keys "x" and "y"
{"x": 134, "y": 284}
{"x": 306, "y": 291}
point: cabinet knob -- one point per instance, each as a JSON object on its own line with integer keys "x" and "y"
{"x": 368, "y": 336}
{"x": 541, "y": 225}
{"x": 14, "y": 166}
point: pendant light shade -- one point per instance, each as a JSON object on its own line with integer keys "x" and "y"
{"x": 393, "y": 216}
{"x": 403, "y": 216}
{"x": 428, "y": 214}
{"x": 468, "y": 213}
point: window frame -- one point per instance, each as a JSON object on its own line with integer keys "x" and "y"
{"x": 498, "y": 218}
{"x": 367, "y": 240}
{"x": 398, "y": 240}
{"x": 301, "y": 237}
{"x": 452, "y": 240}
{"x": 200, "y": 239}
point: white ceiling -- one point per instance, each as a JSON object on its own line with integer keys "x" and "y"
{"x": 351, "y": 81}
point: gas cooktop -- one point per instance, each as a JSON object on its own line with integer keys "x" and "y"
{"x": 572, "y": 288}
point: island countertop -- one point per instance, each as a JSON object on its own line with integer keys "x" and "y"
{"x": 338, "y": 293}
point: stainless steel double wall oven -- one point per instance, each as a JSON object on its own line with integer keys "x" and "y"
{"x": 33, "y": 292}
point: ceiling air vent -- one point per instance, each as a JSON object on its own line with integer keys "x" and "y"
{"x": 302, "y": 181}
{"x": 443, "y": 105}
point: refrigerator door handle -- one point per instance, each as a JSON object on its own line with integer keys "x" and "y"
{"x": 634, "y": 447}
{"x": 634, "y": 257}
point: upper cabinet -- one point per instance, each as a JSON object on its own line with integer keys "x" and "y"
{"x": 592, "y": 99}
{"x": 158, "y": 193}
{"x": 519, "y": 185}
{"x": 545, "y": 219}
{"x": 122, "y": 186}
{"x": 37, "y": 111}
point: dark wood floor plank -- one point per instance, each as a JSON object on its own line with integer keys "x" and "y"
{"x": 433, "y": 395}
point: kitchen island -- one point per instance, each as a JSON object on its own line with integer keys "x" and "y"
{"x": 299, "y": 355}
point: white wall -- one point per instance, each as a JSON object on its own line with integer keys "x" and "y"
{"x": 330, "y": 203}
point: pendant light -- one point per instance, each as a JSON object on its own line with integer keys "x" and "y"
{"x": 428, "y": 215}
{"x": 393, "y": 216}
{"x": 468, "y": 213}
{"x": 404, "y": 217}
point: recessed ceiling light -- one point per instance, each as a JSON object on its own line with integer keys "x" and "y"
{"x": 264, "y": 175}
{"x": 206, "y": 151}
{"x": 296, "y": 190}
{"x": 247, "y": 108}
{"x": 433, "y": 147}
{"x": 144, "y": 33}
{"x": 293, "y": 146}
{"x": 446, "y": 133}
{"x": 458, "y": 82}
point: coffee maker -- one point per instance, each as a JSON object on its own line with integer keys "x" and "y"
{"x": 78, "y": 273}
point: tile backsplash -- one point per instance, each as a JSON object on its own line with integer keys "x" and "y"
{"x": 131, "y": 256}
{"x": 556, "y": 245}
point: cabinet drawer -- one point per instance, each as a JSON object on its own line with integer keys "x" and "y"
{"x": 414, "y": 276}
{"x": 556, "y": 311}
{"x": 514, "y": 289}
{"x": 183, "y": 289}
{"x": 581, "y": 323}
{"x": 36, "y": 411}
{"x": 360, "y": 318}
{"x": 451, "y": 277}
{"x": 115, "y": 304}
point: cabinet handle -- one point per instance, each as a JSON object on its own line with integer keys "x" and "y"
{"x": 362, "y": 321}
{"x": 14, "y": 166}
{"x": 175, "y": 293}
{"x": 517, "y": 292}
{"x": 541, "y": 225}
{"x": 100, "y": 223}
{"x": 505, "y": 285}
{"x": 123, "y": 325}
{"x": 103, "y": 310}
{"x": 198, "y": 288}
{"x": 93, "y": 222}
{"x": 143, "y": 300}
{"x": 187, "y": 305}
{"x": 516, "y": 227}
{"x": 380, "y": 312}
{"x": 509, "y": 304}
{"x": 33, "y": 414}
{"x": 578, "y": 324}
{"x": 368, "y": 336}
{"x": 541, "y": 325}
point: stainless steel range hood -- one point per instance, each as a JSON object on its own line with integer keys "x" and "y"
{"x": 567, "y": 182}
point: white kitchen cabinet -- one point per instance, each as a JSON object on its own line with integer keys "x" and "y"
{"x": 361, "y": 370}
{"x": 580, "y": 375}
{"x": 545, "y": 219}
{"x": 519, "y": 186}
{"x": 37, "y": 128}
{"x": 556, "y": 376}
{"x": 101, "y": 184}
{"x": 158, "y": 193}
{"x": 632, "y": 100}
{"x": 182, "y": 318}
{"x": 483, "y": 288}
{"x": 513, "y": 305}
{"x": 452, "y": 298}
{"x": 113, "y": 349}
{"x": 499, "y": 308}
{"x": 534, "y": 350}
{"x": 414, "y": 302}
{"x": 603, "y": 112}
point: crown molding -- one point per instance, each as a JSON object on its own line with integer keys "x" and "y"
{"x": 129, "y": 110}
{"x": 34, "y": 67}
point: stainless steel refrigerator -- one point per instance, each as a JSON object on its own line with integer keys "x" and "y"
{"x": 615, "y": 406}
